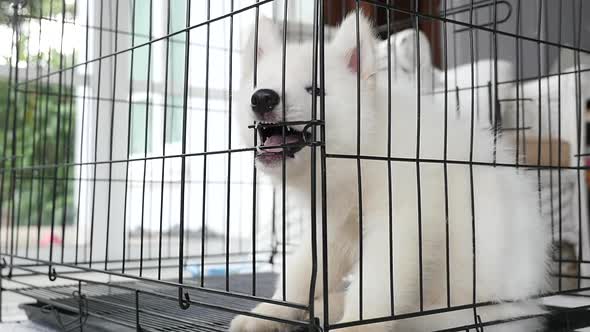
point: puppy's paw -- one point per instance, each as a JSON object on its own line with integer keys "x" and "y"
{"x": 336, "y": 307}
{"x": 244, "y": 323}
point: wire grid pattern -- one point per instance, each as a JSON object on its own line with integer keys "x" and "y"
{"x": 159, "y": 92}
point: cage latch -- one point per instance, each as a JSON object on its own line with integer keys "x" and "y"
{"x": 51, "y": 273}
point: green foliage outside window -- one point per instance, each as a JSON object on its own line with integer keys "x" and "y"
{"x": 31, "y": 123}
{"x": 36, "y": 136}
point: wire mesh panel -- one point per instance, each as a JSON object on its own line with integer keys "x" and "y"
{"x": 279, "y": 165}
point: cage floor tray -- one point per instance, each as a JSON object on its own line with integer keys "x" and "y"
{"x": 112, "y": 308}
{"x": 109, "y": 308}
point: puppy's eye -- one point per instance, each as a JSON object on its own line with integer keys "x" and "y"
{"x": 318, "y": 91}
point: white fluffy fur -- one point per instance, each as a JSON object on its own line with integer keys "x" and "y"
{"x": 511, "y": 237}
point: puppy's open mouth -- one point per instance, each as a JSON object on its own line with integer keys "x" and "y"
{"x": 274, "y": 142}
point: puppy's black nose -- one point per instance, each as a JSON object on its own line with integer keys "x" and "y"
{"x": 264, "y": 100}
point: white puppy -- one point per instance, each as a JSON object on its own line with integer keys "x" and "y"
{"x": 511, "y": 239}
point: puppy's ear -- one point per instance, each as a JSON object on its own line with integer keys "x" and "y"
{"x": 350, "y": 49}
{"x": 260, "y": 39}
{"x": 405, "y": 42}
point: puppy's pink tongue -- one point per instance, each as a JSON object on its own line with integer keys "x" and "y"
{"x": 277, "y": 140}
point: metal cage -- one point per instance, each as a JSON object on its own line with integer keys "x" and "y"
{"x": 128, "y": 201}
